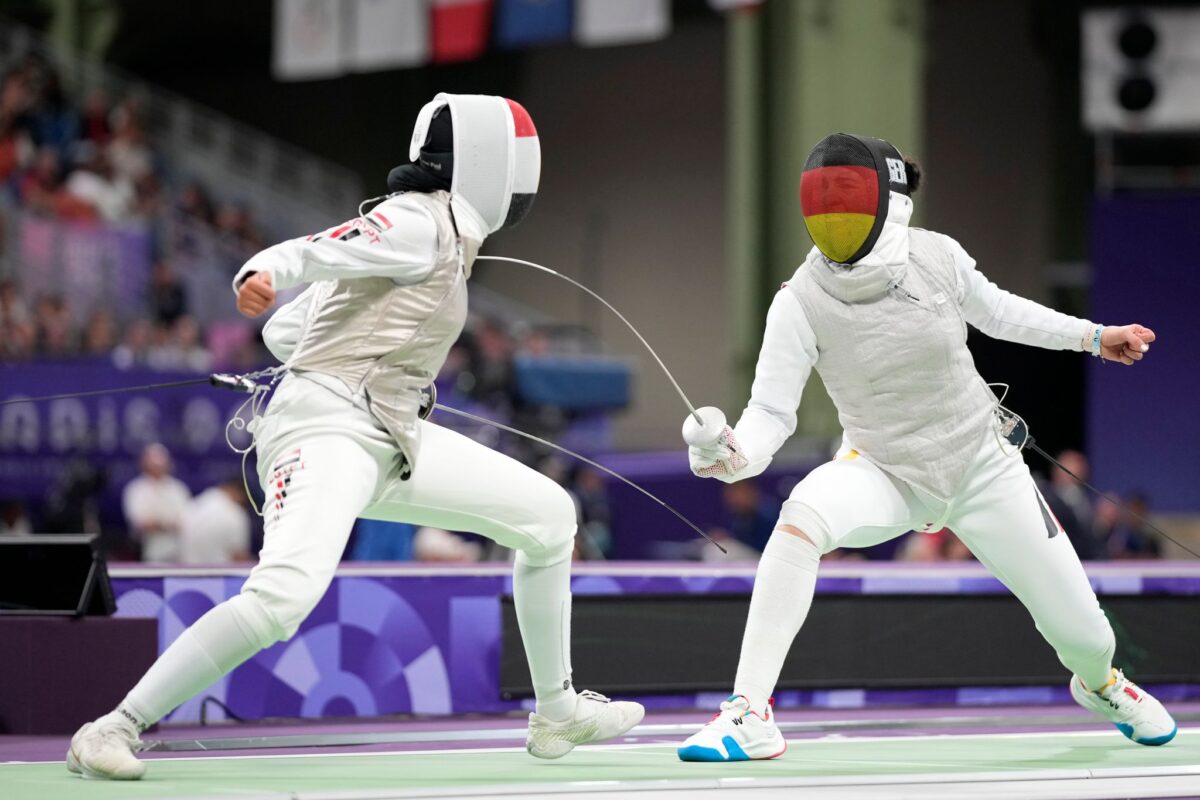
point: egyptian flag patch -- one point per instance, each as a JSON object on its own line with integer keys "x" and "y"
{"x": 527, "y": 164}
{"x": 844, "y": 192}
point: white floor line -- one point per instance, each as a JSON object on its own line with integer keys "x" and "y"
{"x": 597, "y": 748}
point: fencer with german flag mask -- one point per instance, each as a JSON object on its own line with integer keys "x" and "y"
{"x": 881, "y": 311}
{"x": 343, "y": 436}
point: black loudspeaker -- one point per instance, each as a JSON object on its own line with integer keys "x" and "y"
{"x": 60, "y": 575}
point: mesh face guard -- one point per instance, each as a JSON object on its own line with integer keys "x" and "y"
{"x": 497, "y": 156}
{"x": 845, "y": 191}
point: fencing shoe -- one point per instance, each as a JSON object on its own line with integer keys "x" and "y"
{"x": 105, "y": 749}
{"x": 736, "y": 733}
{"x": 1129, "y": 707}
{"x": 596, "y": 718}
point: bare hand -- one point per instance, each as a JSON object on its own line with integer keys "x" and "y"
{"x": 1127, "y": 343}
{"x": 256, "y": 295}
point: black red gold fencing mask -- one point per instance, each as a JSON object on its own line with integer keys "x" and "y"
{"x": 845, "y": 191}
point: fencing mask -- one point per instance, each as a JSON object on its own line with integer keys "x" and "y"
{"x": 845, "y": 192}
{"x": 495, "y": 160}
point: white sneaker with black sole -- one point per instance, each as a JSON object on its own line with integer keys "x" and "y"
{"x": 1129, "y": 707}
{"x": 596, "y": 718}
{"x": 736, "y": 733}
{"x": 105, "y": 749}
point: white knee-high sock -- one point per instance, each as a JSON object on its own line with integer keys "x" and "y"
{"x": 542, "y": 597}
{"x": 783, "y": 592}
{"x": 216, "y": 643}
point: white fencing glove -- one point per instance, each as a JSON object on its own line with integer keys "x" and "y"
{"x": 713, "y": 450}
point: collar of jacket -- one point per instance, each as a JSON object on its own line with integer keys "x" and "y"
{"x": 868, "y": 278}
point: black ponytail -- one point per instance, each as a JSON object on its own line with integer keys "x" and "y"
{"x": 912, "y": 173}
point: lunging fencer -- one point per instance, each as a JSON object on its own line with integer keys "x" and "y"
{"x": 881, "y": 310}
{"x": 343, "y": 437}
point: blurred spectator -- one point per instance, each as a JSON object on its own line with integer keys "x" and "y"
{"x": 595, "y": 514}
{"x": 154, "y": 504}
{"x": 40, "y": 186}
{"x": 94, "y": 182}
{"x": 940, "y": 545}
{"x": 16, "y": 143}
{"x": 1130, "y": 537}
{"x": 215, "y": 527}
{"x": 492, "y": 364}
{"x": 192, "y": 354}
{"x": 73, "y": 502}
{"x": 168, "y": 297}
{"x": 194, "y": 204}
{"x": 435, "y": 544}
{"x": 376, "y": 540}
{"x": 752, "y": 516}
{"x": 100, "y": 335}
{"x": 54, "y": 123}
{"x": 54, "y": 326}
{"x": 178, "y": 347}
{"x": 1071, "y": 505}
{"x": 94, "y": 124}
{"x": 13, "y": 519}
{"x": 18, "y": 340}
{"x": 134, "y": 349}
{"x": 234, "y": 226}
{"x": 128, "y": 152}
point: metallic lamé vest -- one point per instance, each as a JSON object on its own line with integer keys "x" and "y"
{"x": 896, "y": 364}
{"x": 387, "y": 342}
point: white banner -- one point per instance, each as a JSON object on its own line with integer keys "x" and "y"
{"x": 601, "y": 22}
{"x": 389, "y": 34}
{"x": 308, "y": 39}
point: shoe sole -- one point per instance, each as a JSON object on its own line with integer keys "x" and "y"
{"x": 76, "y": 767}
{"x": 698, "y": 753}
{"x": 1124, "y": 727}
{"x": 550, "y": 755}
{"x": 1149, "y": 741}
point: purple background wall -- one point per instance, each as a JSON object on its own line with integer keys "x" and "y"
{"x": 1143, "y": 428}
{"x": 390, "y": 639}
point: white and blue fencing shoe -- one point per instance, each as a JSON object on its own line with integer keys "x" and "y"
{"x": 736, "y": 733}
{"x": 1129, "y": 707}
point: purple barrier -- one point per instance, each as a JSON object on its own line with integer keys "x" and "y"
{"x": 1146, "y": 258}
{"x": 39, "y": 441}
{"x": 389, "y": 639}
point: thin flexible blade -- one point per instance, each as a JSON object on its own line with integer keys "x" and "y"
{"x": 691, "y": 408}
{"x": 145, "y": 387}
{"x": 484, "y": 421}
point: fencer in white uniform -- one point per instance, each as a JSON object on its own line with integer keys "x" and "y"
{"x": 344, "y": 435}
{"x": 881, "y": 310}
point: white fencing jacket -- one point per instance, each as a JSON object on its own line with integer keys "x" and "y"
{"x": 888, "y": 337}
{"x": 387, "y": 301}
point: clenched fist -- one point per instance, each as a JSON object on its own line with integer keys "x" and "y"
{"x": 256, "y": 295}
{"x": 1126, "y": 343}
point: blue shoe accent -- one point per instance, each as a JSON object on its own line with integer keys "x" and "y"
{"x": 736, "y": 753}
{"x": 694, "y": 752}
{"x": 1150, "y": 741}
{"x": 1155, "y": 741}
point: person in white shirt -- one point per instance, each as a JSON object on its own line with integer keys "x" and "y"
{"x": 153, "y": 504}
{"x": 881, "y": 312}
{"x": 344, "y": 435}
{"x": 216, "y": 526}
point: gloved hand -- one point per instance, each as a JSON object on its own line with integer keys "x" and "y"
{"x": 713, "y": 450}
